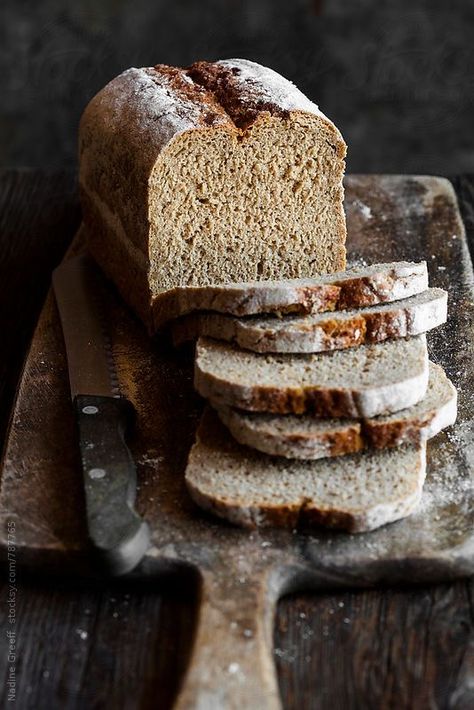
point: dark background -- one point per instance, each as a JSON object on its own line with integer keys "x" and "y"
{"x": 395, "y": 75}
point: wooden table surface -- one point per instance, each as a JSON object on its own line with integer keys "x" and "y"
{"x": 125, "y": 646}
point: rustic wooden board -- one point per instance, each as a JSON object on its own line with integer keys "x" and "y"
{"x": 388, "y": 218}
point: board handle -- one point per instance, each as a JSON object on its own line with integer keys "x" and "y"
{"x": 231, "y": 665}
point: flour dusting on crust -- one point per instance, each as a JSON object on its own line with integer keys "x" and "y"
{"x": 157, "y": 104}
{"x": 260, "y": 82}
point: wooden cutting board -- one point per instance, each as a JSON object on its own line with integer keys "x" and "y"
{"x": 243, "y": 573}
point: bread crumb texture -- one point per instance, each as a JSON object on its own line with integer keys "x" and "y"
{"x": 357, "y": 492}
{"x": 358, "y": 382}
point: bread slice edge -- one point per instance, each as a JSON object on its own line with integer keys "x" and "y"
{"x": 300, "y": 510}
{"x": 344, "y": 436}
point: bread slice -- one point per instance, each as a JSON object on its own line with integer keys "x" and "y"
{"x": 356, "y": 288}
{"x": 211, "y": 174}
{"x": 322, "y": 331}
{"x": 357, "y": 493}
{"x": 358, "y": 382}
{"x": 305, "y": 437}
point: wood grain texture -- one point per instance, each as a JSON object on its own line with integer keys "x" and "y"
{"x": 393, "y": 668}
{"x": 39, "y": 214}
{"x": 390, "y": 649}
{"x": 90, "y": 645}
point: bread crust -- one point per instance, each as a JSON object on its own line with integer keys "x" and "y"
{"x": 292, "y": 437}
{"x": 312, "y": 334}
{"x": 320, "y": 401}
{"x": 356, "y": 288}
{"x": 216, "y": 457}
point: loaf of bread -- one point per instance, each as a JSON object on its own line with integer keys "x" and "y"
{"x": 222, "y": 172}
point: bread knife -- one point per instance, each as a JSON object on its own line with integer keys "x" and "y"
{"x": 118, "y": 535}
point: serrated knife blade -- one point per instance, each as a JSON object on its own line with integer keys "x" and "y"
{"x": 117, "y": 533}
{"x": 89, "y": 357}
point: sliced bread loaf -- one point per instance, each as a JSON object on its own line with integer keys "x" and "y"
{"x": 306, "y": 437}
{"x": 322, "y": 331}
{"x": 206, "y": 175}
{"x": 358, "y": 382}
{"x": 356, "y": 288}
{"x": 356, "y": 493}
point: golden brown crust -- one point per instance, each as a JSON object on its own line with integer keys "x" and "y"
{"x": 116, "y": 261}
{"x": 364, "y": 291}
{"x": 334, "y": 519}
{"x": 130, "y": 282}
{"x": 320, "y": 403}
{"x": 290, "y": 516}
{"x": 394, "y": 433}
{"x": 255, "y": 382}
{"x": 322, "y": 332}
{"x": 248, "y": 300}
{"x": 253, "y": 490}
{"x": 348, "y": 439}
{"x": 390, "y": 282}
{"x": 308, "y": 438}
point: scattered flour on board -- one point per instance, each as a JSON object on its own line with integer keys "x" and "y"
{"x": 356, "y": 261}
{"x": 288, "y": 655}
{"x": 364, "y": 209}
{"x": 152, "y": 461}
{"x": 448, "y": 486}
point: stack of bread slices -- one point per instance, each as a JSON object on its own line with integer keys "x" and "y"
{"x": 322, "y": 396}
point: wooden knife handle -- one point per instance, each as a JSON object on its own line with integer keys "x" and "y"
{"x": 231, "y": 665}
{"x": 118, "y": 535}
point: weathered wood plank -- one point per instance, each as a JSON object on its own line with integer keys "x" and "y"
{"x": 39, "y": 214}
{"x": 399, "y": 649}
{"x": 100, "y": 645}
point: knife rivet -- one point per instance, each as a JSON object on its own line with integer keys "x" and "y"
{"x": 90, "y": 410}
{"x": 97, "y": 473}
